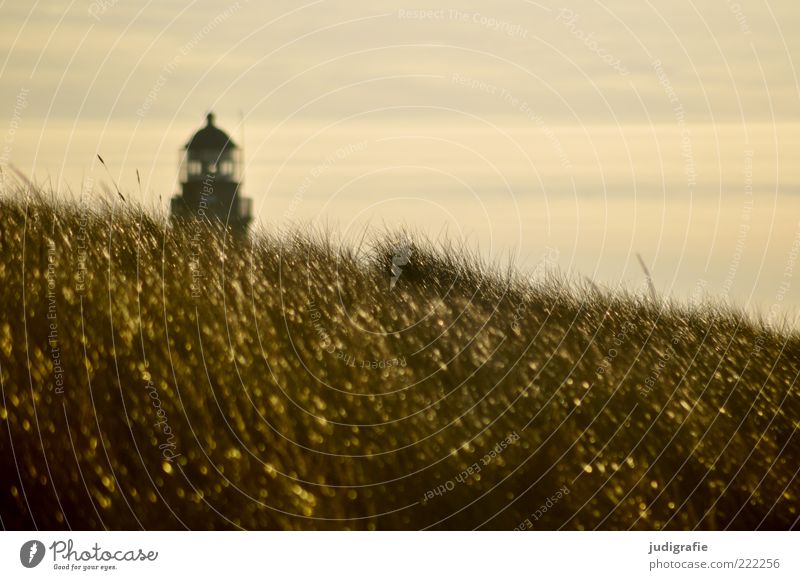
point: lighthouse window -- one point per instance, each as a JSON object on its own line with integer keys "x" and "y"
{"x": 194, "y": 168}
{"x": 226, "y": 168}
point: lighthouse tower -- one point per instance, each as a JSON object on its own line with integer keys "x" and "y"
{"x": 211, "y": 180}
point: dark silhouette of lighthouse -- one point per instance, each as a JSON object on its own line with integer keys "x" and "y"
{"x": 211, "y": 180}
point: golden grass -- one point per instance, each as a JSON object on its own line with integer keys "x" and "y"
{"x": 278, "y": 383}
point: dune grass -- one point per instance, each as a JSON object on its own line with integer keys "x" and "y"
{"x": 171, "y": 376}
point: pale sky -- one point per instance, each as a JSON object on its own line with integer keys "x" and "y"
{"x": 601, "y": 129}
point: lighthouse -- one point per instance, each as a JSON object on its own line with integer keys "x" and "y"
{"x": 211, "y": 180}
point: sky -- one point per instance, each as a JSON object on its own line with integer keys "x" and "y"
{"x": 576, "y": 134}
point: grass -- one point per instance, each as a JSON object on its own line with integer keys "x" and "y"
{"x": 169, "y": 376}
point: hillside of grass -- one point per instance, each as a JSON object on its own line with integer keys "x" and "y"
{"x": 171, "y": 376}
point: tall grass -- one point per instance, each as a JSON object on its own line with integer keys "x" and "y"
{"x": 172, "y": 376}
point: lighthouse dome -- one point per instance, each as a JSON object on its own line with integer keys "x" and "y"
{"x": 210, "y": 138}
